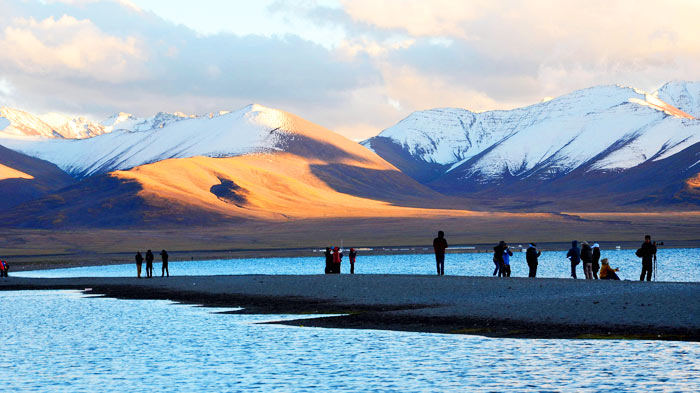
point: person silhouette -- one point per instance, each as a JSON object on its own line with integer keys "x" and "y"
{"x": 164, "y": 258}
{"x": 139, "y": 262}
{"x": 439, "y": 246}
{"x": 149, "y": 264}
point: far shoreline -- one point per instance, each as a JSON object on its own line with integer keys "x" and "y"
{"x": 71, "y": 260}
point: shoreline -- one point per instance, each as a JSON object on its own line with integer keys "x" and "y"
{"x": 67, "y": 260}
{"x": 485, "y": 306}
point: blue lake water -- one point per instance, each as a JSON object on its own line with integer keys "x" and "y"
{"x": 62, "y": 341}
{"x": 672, "y": 265}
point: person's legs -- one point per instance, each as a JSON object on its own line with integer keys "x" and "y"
{"x": 440, "y": 264}
{"x": 646, "y": 268}
{"x": 507, "y": 271}
{"x": 573, "y": 270}
{"x": 352, "y": 268}
{"x": 588, "y": 271}
{"x": 138, "y": 271}
{"x": 495, "y": 271}
{"x": 595, "y": 271}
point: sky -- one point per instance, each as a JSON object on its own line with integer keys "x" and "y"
{"x": 356, "y": 67}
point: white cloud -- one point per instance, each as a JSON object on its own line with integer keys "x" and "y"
{"x": 71, "y": 47}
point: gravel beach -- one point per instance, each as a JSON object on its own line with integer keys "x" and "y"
{"x": 505, "y": 307}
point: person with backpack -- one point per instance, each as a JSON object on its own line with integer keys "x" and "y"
{"x": 647, "y": 252}
{"x": 574, "y": 256}
{"x": 507, "y": 253}
{"x": 439, "y": 247}
{"x": 149, "y": 264}
{"x": 587, "y": 259}
{"x": 532, "y": 256}
{"x": 139, "y": 263}
{"x": 353, "y": 255}
{"x": 596, "y": 258}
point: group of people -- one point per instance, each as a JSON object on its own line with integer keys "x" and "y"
{"x": 334, "y": 257}
{"x": 589, "y": 255}
{"x": 4, "y": 268}
{"x": 149, "y": 263}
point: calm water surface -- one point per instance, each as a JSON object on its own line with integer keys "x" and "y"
{"x": 672, "y": 265}
{"x": 65, "y": 342}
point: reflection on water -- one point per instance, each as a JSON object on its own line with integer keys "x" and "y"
{"x": 672, "y": 265}
{"x": 61, "y": 341}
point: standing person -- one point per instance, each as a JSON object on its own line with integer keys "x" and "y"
{"x": 139, "y": 262}
{"x": 149, "y": 264}
{"x": 164, "y": 257}
{"x": 353, "y": 255}
{"x": 647, "y": 252}
{"x": 439, "y": 246}
{"x": 337, "y": 259}
{"x": 507, "y": 253}
{"x": 596, "y": 258}
{"x": 532, "y": 256}
{"x": 574, "y": 256}
{"x": 498, "y": 259}
{"x": 4, "y": 268}
{"x": 329, "y": 261}
{"x": 587, "y": 259}
{"x": 606, "y": 272}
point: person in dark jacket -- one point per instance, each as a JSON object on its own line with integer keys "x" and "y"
{"x": 596, "y": 258}
{"x": 532, "y": 256}
{"x": 353, "y": 256}
{"x": 498, "y": 259}
{"x": 149, "y": 264}
{"x": 139, "y": 263}
{"x": 164, "y": 257}
{"x": 439, "y": 246}
{"x": 647, "y": 252}
{"x": 587, "y": 259}
{"x": 574, "y": 256}
{"x": 329, "y": 261}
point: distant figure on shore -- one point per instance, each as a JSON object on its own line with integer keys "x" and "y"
{"x": 329, "y": 261}
{"x": 498, "y": 259}
{"x": 606, "y": 272}
{"x": 574, "y": 256}
{"x": 647, "y": 252}
{"x": 439, "y": 246}
{"x": 596, "y": 258}
{"x": 4, "y": 268}
{"x": 532, "y": 256}
{"x": 337, "y": 259}
{"x": 139, "y": 262}
{"x": 587, "y": 259}
{"x": 507, "y": 253}
{"x": 149, "y": 264}
{"x": 164, "y": 257}
{"x": 353, "y": 256}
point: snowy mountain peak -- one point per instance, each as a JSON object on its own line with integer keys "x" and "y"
{"x": 683, "y": 95}
{"x": 599, "y": 128}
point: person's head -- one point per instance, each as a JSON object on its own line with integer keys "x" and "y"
{"x": 574, "y": 243}
{"x": 352, "y": 249}
{"x": 533, "y": 245}
{"x": 585, "y": 243}
{"x": 337, "y": 249}
{"x": 647, "y": 239}
{"x": 604, "y": 261}
{"x": 596, "y": 245}
{"x": 502, "y": 243}
{"x": 441, "y": 234}
{"x": 162, "y": 251}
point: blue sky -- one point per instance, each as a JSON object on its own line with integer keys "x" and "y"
{"x": 356, "y": 67}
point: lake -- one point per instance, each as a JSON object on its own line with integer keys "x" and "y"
{"x": 63, "y": 341}
{"x": 679, "y": 264}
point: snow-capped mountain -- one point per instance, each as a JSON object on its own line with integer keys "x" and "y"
{"x": 253, "y": 129}
{"x": 127, "y": 121}
{"x": 606, "y": 128}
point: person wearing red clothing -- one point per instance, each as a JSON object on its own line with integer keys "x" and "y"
{"x": 337, "y": 259}
{"x": 353, "y": 255}
{"x": 439, "y": 245}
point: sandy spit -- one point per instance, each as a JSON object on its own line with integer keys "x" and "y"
{"x": 496, "y": 307}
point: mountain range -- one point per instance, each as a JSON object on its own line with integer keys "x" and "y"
{"x": 605, "y": 148}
